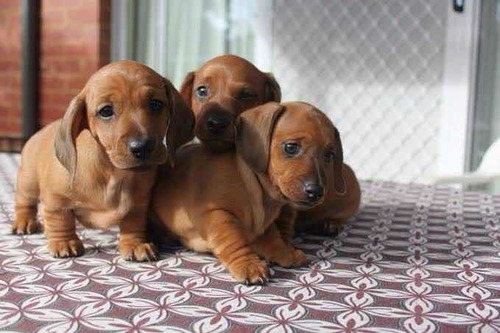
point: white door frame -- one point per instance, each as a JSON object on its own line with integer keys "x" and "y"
{"x": 459, "y": 84}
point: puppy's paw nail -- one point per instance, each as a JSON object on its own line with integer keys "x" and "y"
{"x": 19, "y": 232}
{"x": 27, "y": 227}
{"x": 65, "y": 248}
{"x": 263, "y": 281}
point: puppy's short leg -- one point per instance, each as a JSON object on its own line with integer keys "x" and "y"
{"x": 25, "y": 222}
{"x": 61, "y": 235}
{"x": 273, "y": 248}
{"x": 27, "y": 193}
{"x": 326, "y": 227}
{"x": 285, "y": 223}
{"x": 133, "y": 243}
{"x": 229, "y": 244}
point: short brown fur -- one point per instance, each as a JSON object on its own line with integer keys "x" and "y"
{"x": 226, "y": 76}
{"x": 234, "y": 85}
{"x": 240, "y": 205}
{"x": 81, "y": 167}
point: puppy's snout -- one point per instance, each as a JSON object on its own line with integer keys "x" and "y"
{"x": 217, "y": 123}
{"x": 141, "y": 148}
{"x": 314, "y": 191}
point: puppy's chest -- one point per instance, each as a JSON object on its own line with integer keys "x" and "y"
{"x": 107, "y": 204}
{"x": 262, "y": 217}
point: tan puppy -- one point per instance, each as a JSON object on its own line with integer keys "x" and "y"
{"x": 232, "y": 199}
{"x": 219, "y": 91}
{"x": 226, "y": 86}
{"x": 98, "y": 164}
{"x": 340, "y": 194}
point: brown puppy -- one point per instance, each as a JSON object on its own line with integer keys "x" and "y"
{"x": 229, "y": 206}
{"x": 219, "y": 91}
{"x": 339, "y": 192}
{"x": 226, "y": 86}
{"x": 334, "y": 196}
{"x": 98, "y": 164}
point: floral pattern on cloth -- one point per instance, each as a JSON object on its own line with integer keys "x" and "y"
{"x": 415, "y": 259}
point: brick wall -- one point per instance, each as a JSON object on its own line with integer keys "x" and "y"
{"x": 75, "y": 43}
{"x": 10, "y": 67}
{"x": 74, "y": 36}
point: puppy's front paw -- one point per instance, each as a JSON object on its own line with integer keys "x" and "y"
{"x": 65, "y": 248}
{"x": 138, "y": 251}
{"x": 292, "y": 258}
{"x": 26, "y": 226}
{"x": 332, "y": 229}
{"x": 251, "y": 270}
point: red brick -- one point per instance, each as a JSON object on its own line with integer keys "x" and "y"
{"x": 88, "y": 14}
{"x": 9, "y": 65}
{"x": 65, "y": 65}
{"x": 76, "y": 82}
{"x": 54, "y": 17}
{"x": 61, "y": 98}
{"x": 52, "y": 83}
{"x": 10, "y": 80}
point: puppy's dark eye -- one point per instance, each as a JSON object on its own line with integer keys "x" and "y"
{"x": 106, "y": 112}
{"x": 156, "y": 105}
{"x": 329, "y": 156}
{"x": 202, "y": 92}
{"x": 246, "y": 94}
{"x": 291, "y": 149}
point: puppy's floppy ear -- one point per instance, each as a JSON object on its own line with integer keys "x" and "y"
{"x": 254, "y": 131}
{"x": 69, "y": 128}
{"x": 187, "y": 88}
{"x": 272, "y": 89}
{"x": 181, "y": 121}
{"x": 338, "y": 165}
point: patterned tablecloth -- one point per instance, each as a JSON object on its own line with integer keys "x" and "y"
{"x": 416, "y": 258}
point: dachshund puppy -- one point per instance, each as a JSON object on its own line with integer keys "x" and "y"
{"x": 99, "y": 162}
{"x": 283, "y": 153}
{"x": 339, "y": 192}
{"x": 219, "y": 91}
{"x": 226, "y": 86}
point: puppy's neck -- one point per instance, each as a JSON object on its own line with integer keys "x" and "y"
{"x": 94, "y": 165}
{"x": 265, "y": 208}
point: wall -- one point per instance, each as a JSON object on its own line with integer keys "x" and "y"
{"x": 10, "y": 67}
{"x": 75, "y": 38}
{"x": 75, "y": 43}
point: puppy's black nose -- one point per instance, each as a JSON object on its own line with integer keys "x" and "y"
{"x": 217, "y": 123}
{"x": 314, "y": 191}
{"x": 141, "y": 148}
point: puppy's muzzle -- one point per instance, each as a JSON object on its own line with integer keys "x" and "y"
{"x": 314, "y": 191}
{"x": 215, "y": 126}
{"x": 218, "y": 122}
{"x": 141, "y": 149}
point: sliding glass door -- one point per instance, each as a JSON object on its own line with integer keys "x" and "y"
{"x": 176, "y": 36}
{"x": 486, "y": 120}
